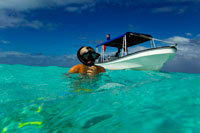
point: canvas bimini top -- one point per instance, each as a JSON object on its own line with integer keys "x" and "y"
{"x": 131, "y": 39}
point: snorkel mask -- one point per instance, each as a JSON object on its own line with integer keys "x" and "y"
{"x": 87, "y": 55}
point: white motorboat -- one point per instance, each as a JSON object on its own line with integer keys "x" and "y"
{"x": 153, "y": 58}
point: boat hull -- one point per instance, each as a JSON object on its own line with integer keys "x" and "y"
{"x": 150, "y": 59}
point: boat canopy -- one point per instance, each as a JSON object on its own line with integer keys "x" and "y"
{"x": 131, "y": 39}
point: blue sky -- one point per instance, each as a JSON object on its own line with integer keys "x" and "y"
{"x": 38, "y": 32}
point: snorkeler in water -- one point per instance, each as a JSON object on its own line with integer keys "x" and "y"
{"x": 87, "y": 56}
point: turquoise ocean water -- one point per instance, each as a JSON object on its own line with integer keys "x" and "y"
{"x": 43, "y": 99}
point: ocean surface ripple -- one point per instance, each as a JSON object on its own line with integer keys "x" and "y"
{"x": 44, "y": 99}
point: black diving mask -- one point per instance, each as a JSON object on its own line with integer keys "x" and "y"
{"x": 91, "y": 55}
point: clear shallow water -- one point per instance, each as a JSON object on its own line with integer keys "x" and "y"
{"x": 42, "y": 99}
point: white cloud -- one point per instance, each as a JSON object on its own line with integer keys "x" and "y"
{"x": 5, "y": 42}
{"x": 189, "y": 51}
{"x": 79, "y": 7}
{"x": 72, "y": 9}
{"x": 24, "y": 5}
{"x": 34, "y": 24}
{"x": 188, "y": 34}
{"x": 167, "y": 9}
{"x": 181, "y": 10}
{"x": 187, "y": 57}
{"x": 12, "y": 53}
{"x": 163, "y": 9}
{"x": 14, "y": 57}
{"x": 179, "y": 40}
{"x": 12, "y": 11}
{"x": 187, "y": 48}
{"x": 9, "y": 19}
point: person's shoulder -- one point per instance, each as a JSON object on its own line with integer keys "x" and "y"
{"x": 100, "y": 69}
{"x": 75, "y": 69}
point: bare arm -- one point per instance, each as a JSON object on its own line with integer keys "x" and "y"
{"x": 101, "y": 69}
{"x": 74, "y": 69}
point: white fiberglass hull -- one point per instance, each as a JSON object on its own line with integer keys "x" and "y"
{"x": 150, "y": 59}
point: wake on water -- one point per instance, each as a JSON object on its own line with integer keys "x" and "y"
{"x": 43, "y": 99}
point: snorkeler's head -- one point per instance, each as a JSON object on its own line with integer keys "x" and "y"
{"x": 87, "y": 55}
